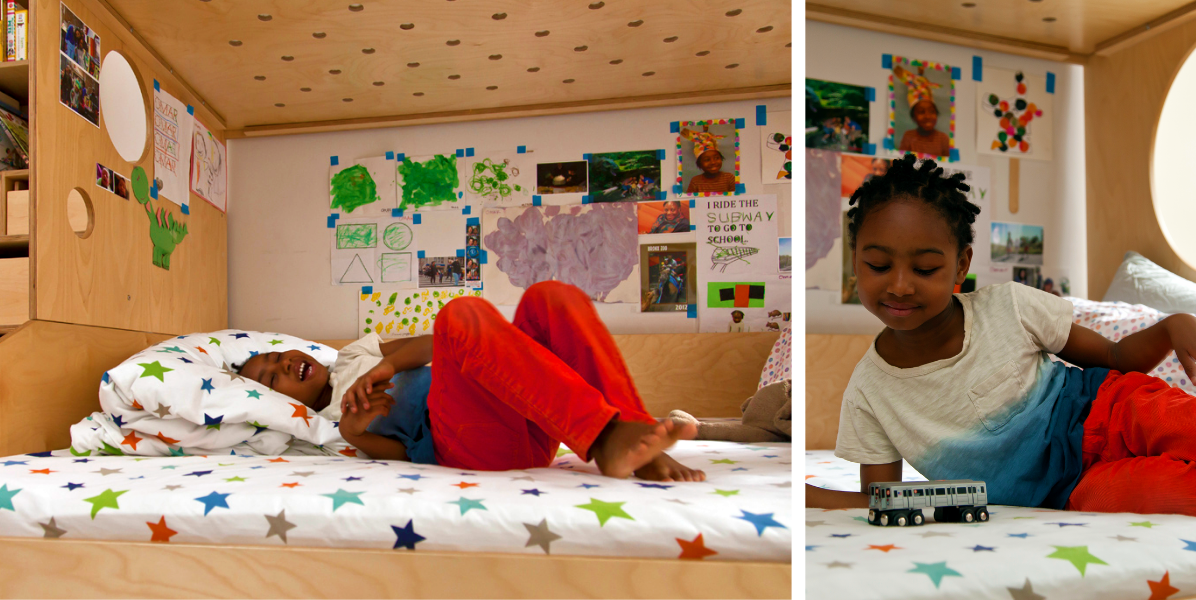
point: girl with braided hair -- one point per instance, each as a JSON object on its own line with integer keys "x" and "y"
{"x": 963, "y": 386}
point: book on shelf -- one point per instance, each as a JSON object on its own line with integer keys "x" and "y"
{"x": 22, "y": 35}
{"x": 14, "y": 144}
{"x": 16, "y": 31}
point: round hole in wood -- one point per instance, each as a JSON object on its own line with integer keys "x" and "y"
{"x": 670, "y": 39}
{"x": 453, "y": 43}
{"x": 492, "y": 87}
{"x": 305, "y": 89}
{"x": 596, "y": 5}
{"x": 235, "y": 43}
{"x": 732, "y": 65}
{"x": 581, "y": 48}
{"x": 542, "y": 33}
{"x": 418, "y": 94}
{"x": 319, "y": 35}
{"x": 495, "y": 57}
{"x": 288, "y": 58}
{"x": 346, "y": 99}
{"x": 334, "y": 71}
{"x": 703, "y": 53}
{"x": 735, "y": 13}
{"x": 79, "y": 212}
{"x": 367, "y": 50}
{"x": 279, "y": 104}
{"x": 1048, "y": 19}
{"x": 533, "y": 70}
{"x": 264, "y": 17}
{"x": 617, "y": 61}
{"x": 569, "y": 81}
{"x": 356, "y": 7}
{"x": 407, "y": 26}
{"x": 498, "y": 16}
{"x": 454, "y": 77}
{"x": 764, "y": 29}
{"x": 413, "y": 64}
{"x": 649, "y": 73}
{"x": 259, "y": 77}
{"x": 379, "y": 83}
{"x": 969, "y": 5}
{"x": 636, "y": 23}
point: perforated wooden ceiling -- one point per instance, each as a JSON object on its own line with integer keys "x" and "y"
{"x": 264, "y": 63}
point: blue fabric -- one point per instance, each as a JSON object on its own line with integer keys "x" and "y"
{"x": 408, "y": 419}
{"x": 1035, "y": 459}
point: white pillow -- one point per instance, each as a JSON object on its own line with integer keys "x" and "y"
{"x": 1140, "y": 281}
{"x": 1115, "y": 320}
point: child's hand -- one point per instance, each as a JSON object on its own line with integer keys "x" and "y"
{"x": 358, "y": 394}
{"x": 354, "y": 423}
{"x": 1181, "y": 328}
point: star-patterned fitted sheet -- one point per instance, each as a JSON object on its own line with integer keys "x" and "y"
{"x": 742, "y": 511}
{"x": 1021, "y": 554}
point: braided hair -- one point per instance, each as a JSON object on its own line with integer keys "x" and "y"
{"x": 926, "y": 182}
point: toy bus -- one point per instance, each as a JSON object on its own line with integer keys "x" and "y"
{"x": 901, "y": 503}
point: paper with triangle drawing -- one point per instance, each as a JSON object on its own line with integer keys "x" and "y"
{"x": 372, "y": 251}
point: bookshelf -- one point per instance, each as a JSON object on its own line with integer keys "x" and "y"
{"x": 14, "y": 79}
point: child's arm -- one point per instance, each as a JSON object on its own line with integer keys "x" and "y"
{"x": 819, "y": 498}
{"x": 397, "y": 356}
{"x": 1141, "y": 351}
{"x": 353, "y": 428}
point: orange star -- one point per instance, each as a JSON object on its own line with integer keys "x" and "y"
{"x": 833, "y": 509}
{"x": 166, "y": 440}
{"x": 885, "y": 548}
{"x": 201, "y": 349}
{"x": 162, "y": 533}
{"x": 279, "y": 459}
{"x": 1161, "y": 589}
{"x": 131, "y": 440}
{"x": 350, "y": 452}
{"x": 137, "y": 405}
{"x": 464, "y": 485}
{"x": 42, "y": 471}
{"x": 809, "y": 476}
{"x": 301, "y": 413}
{"x": 696, "y": 549}
{"x": 291, "y": 485}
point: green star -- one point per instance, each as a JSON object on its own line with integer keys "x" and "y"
{"x": 275, "y": 342}
{"x": 860, "y": 519}
{"x": 108, "y": 449}
{"x": 106, "y": 499}
{"x": 237, "y": 478}
{"x": 154, "y": 369}
{"x": 170, "y": 467}
{"x": 343, "y": 497}
{"x": 176, "y": 452}
{"x": 139, "y": 459}
{"x": 256, "y": 424}
{"x": 726, "y": 493}
{"x": 465, "y": 504}
{"x": 1076, "y": 555}
{"x": 77, "y": 453}
{"x": 563, "y": 451}
{"x": 936, "y": 571}
{"x": 213, "y": 340}
{"x": 6, "y": 497}
{"x": 1146, "y": 524}
{"x": 723, "y": 461}
{"x": 606, "y": 510}
{"x": 255, "y": 394}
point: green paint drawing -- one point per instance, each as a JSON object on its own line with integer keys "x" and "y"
{"x": 353, "y": 188}
{"x": 489, "y": 179}
{"x": 165, "y": 232}
{"x": 396, "y": 268}
{"x": 393, "y": 297}
{"x": 397, "y": 236}
{"x": 357, "y": 235}
{"x": 429, "y": 183}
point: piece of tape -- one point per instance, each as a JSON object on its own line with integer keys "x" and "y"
{"x": 675, "y": 127}
{"x": 467, "y": 209}
{"x": 157, "y": 88}
{"x": 761, "y": 115}
{"x": 956, "y": 73}
{"x": 870, "y": 94}
{"x": 154, "y": 191}
{"x": 677, "y": 189}
{"x": 536, "y": 201}
{"x": 473, "y": 221}
{"x": 396, "y": 212}
{"x": 954, "y": 155}
{"x": 662, "y": 195}
{"x": 693, "y": 203}
{"x": 740, "y": 123}
{"x": 460, "y": 195}
{"x": 191, "y": 110}
{"x": 1050, "y": 83}
{"x": 870, "y": 149}
{"x": 331, "y": 221}
{"x": 419, "y": 254}
{"x": 469, "y": 152}
{"x": 390, "y": 155}
{"x": 186, "y": 209}
{"x": 886, "y": 61}
{"x": 460, "y": 152}
{"x": 399, "y": 156}
{"x": 460, "y": 253}
{"x": 587, "y": 199}
{"x": 484, "y": 258}
{"x": 693, "y": 227}
{"x": 740, "y": 188}
{"x": 661, "y": 154}
{"x": 977, "y": 68}
{"x": 367, "y": 289}
{"x": 586, "y": 156}
{"x": 888, "y": 143}
{"x": 521, "y": 150}
{"x": 334, "y": 160}
{"x": 417, "y": 219}
{"x": 691, "y": 311}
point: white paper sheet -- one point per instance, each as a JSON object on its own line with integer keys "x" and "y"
{"x": 209, "y": 167}
{"x": 776, "y": 148}
{"x": 394, "y": 313}
{"x": 737, "y": 244}
{"x": 172, "y": 147}
{"x": 499, "y": 179}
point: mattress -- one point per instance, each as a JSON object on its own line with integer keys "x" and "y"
{"x": 741, "y": 512}
{"x": 1022, "y": 553}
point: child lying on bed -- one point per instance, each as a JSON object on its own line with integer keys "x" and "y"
{"x": 961, "y": 385}
{"x": 498, "y": 396}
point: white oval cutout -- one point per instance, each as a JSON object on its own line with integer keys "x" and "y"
{"x": 122, "y": 107}
{"x": 79, "y": 213}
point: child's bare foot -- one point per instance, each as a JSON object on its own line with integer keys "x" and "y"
{"x": 665, "y": 468}
{"x": 624, "y": 446}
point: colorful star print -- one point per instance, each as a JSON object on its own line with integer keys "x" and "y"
{"x": 694, "y": 549}
{"x": 207, "y": 386}
{"x": 467, "y": 504}
{"x": 6, "y": 496}
{"x": 211, "y": 422}
{"x": 761, "y": 521}
{"x": 213, "y": 500}
{"x": 726, "y": 493}
{"x": 936, "y": 571}
{"x": 1077, "y": 556}
{"x": 301, "y": 413}
{"x": 161, "y": 533}
{"x": 279, "y": 525}
{"x": 342, "y": 497}
{"x": 254, "y": 394}
{"x": 106, "y": 499}
{"x": 606, "y": 510}
{"x": 154, "y": 369}
{"x": 70, "y": 487}
{"x": 406, "y": 536}
{"x": 131, "y": 440}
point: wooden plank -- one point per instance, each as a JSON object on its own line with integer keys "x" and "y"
{"x": 14, "y": 79}
{"x": 1146, "y": 31}
{"x": 17, "y": 213}
{"x": 830, "y": 360}
{"x": 109, "y": 279}
{"x": 14, "y": 243}
{"x": 68, "y": 568}
{"x": 14, "y": 292}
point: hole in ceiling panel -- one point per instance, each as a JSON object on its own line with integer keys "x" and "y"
{"x": 735, "y": 13}
{"x": 534, "y": 70}
{"x": 407, "y": 26}
{"x": 356, "y": 7}
{"x": 670, "y": 39}
{"x": 418, "y": 94}
{"x": 367, "y": 50}
{"x": 649, "y": 73}
{"x": 288, "y": 58}
{"x": 235, "y": 43}
{"x": 764, "y": 29}
{"x": 319, "y": 35}
{"x": 264, "y": 17}
{"x": 279, "y": 104}
{"x": 636, "y": 23}
{"x": 617, "y": 61}
{"x": 492, "y": 87}
{"x": 413, "y": 64}
{"x": 379, "y": 83}
{"x": 581, "y": 48}
{"x": 346, "y": 99}
{"x": 597, "y": 5}
{"x": 334, "y": 71}
{"x": 498, "y": 16}
{"x": 569, "y": 81}
{"x": 453, "y": 43}
{"x": 542, "y": 33}
{"x": 454, "y": 77}
{"x": 259, "y": 77}
{"x": 305, "y": 89}
{"x": 732, "y": 65}
{"x": 703, "y": 53}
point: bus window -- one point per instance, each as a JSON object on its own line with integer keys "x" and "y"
{"x": 941, "y": 491}
{"x": 917, "y": 492}
{"x": 981, "y": 489}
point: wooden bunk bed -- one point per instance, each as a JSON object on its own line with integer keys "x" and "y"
{"x": 79, "y": 292}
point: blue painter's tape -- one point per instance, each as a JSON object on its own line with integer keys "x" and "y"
{"x": 190, "y": 110}
{"x": 399, "y": 156}
{"x": 677, "y": 189}
{"x": 977, "y": 68}
{"x": 693, "y": 227}
{"x": 956, "y": 73}
{"x": 154, "y": 191}
{"x": 485, "y": 257}
{"x": 870, "y": 149}
{"x": 586, "y": 156}
{"x": 535, "y": 201}
{"x": 761, "y": 115}
{"x": 186, "y": 209}
{"x": 1050, "y": 82}
{"x": 460, "y": 195}
{"x": 740, "y": 123}
{"x": 461, "y": 253}
{"x": 469, "y": 152}
{"x": 662, "y": 195}
{"x": 954, "y": 155}
{"x": 587, "y": 199}
{"x": 521, "y": 150}
{"x": 886, "y": 61}
{"x": 870, "y": 94}
{"x": 390, "y": 155}
{"x": 467, "y": 209}
{"x": 675, "y": 127}
{"x": 417, "y": 219}
{"x": 693, "y": 203}
{"x": 334, "y": 160}
{"x": 739, "y": 188}
{"x": 419, "y": 254}
{"x": 888, "y": 143}
{"x": 473, "y": 221}
{"x": 691, "y": 311}
{"x": 480, "y": 285}
{"x": 661, "y": 155}
{"x": 460, "y": 153}
{"x": 157, "y": 87}
{"x": 331, "y": 221}
{"x": 396, "y": 212}
{"x": 367, "y": 289}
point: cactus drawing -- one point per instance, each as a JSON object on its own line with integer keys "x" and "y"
{"x": 165, "y": 232}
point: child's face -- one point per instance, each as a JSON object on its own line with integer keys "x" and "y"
{"x": 926, "y": 115}
{"x": 671, "y": 210}
{"x": 293, "y": 373}
{"x": 736, "y": 316}
{"x": 907, "y": 263}
{"x": 710, "y": 162}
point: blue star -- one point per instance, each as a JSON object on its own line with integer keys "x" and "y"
{"x": 198, "y": 473}
{"x": 351, "y": 478}
{"x": 469, "y": 474}
{"x": 415, "y": 477}
{"x": 1062, "y": 525}
{"x": 764, "y": 521}
{"x": 834, "y": 535}
{"x": 253, "y": 353}
{"x": 181, "y": 337}
{"x": 768, "y": 456}
{"x": 406, "y": 536}
{"x": 213, "y": 500}
{"x": 106, "y": 378}
{"x": 979, "y": 548}
{"x": 314, "y": 347}
{"x": 375, "y": 462}
{"x": 1190, "y": 545}
{"x": 212, "y": 423}
{"x": 810, "y": 548}
{"x": 739, "y": 469}
{"x": 120, "y": 422}
{"x": 138, "y": 477}
{"x": 70, "y": 487}
{"x": 1019, "y": 535}
{"x": 9, "y": 463}
{"x": 83, "y": 460}
{"x": 535, "y": 492}
{"x": 589, "y": 485}
{"x": 207, "y": 386}
{"x": 237, "y": 336}
{"x": 257, "y": 467}
{"x": 659, "y": 486}
{"x": 184, "y": 360}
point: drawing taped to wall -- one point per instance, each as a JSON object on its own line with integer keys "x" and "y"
{"x": 624, "y": 176}
{"x": 744, "y": 306}
{"x": 823, "y": 241}
{"x": 393, "y": 313}
{"x": 708, "y": 157}
{"x": 356, "y": 271}
{"x": 172, "y": 148}
{"x": 776, "y": 148}
{"x": 1014, "y": 115}
{"x": 379, "y": 243}
{"x": 500, "y": 179}
{"x": 351, "y": 187}
{"x": 165, "y": 233}
{"x": 397, "y": 236}
{"x": 428, "y": 182}
{"x": 209, "y": 167}
{"x": 356, "y": 235}
{"x": 396, "y": 267}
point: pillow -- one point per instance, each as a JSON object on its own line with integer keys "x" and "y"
{"x": 780, "y": 361}
{"x": 1115, "y": 320}
{"x": 1140, "y": 281}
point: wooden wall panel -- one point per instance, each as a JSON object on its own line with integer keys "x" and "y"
{"x": 830, "y": 360}
{"x": 108, "y": 279}
{"x": 1123, "y": 98}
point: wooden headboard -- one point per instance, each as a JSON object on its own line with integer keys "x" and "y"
{"x": 830, "y": 359}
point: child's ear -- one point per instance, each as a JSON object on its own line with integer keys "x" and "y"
{"x": 965, "y": 262}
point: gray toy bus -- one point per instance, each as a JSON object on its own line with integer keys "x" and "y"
{"x": 901, "y": 503}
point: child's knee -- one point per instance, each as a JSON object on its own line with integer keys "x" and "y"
{"x": 554, "y": 291}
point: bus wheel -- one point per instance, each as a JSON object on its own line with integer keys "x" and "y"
{"x": 901, "y": 521}
{"x": 982, "y": 515}
{"x": 918, "y": 518}
{"x": 968, "y": 517}
{"x": 884, "y": 520}
{"x": 871, "y": 516}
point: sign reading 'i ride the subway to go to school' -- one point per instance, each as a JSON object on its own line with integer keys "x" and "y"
{"x": 738, "y": 244}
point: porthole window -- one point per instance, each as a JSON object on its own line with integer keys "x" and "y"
{"x": 1172, "y": 157}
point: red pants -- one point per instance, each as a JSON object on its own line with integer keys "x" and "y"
{"x": 505, "y": 396}
{"x": 1139, "y": 444}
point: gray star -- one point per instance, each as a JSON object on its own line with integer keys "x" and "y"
{"x": 106, "y": 472}
{"x": 930, "y": 534}
{"x": 232, "y": 375}
{"x": 786, "y": 484}
{"x": 1025, "y": 593}
{"x": 525, "y": 478}
{"x": 815, "y": 523}
{"x": 408, "y": 491}
{"x": 677, "y": 501}
{"x": 172, "y": 487}
{"x": 162, "y": 411}
{"x": 53, "y": 531}
{"x": 838, "y": 565}
{"x": 1122, "y": 538}
{"x": 540, "y": 535}
{"x": 279, "y": 525}
{"x": 303, "y": 473}
{"x": 784, "y": 462}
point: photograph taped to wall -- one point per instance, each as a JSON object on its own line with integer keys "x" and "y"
{"x": 441, "y": 271}
{"x": 856, "y": 169}
{"x": 708, "y": 157}
{"x": 848, "y": 292}
{"x": 785, "y": 251}
{"x": 398, "y": 313}
{"x": 1014, "y": 116}
{"x": 1016, "y": 244}
{"x": 103, "y": 177}
{"x": 823, "y": 219}
{"x": 562, "y": 177}
{"x": 78, "y": 91}
{"x": 120, "y": 185}
{"x": 209, "y": 167}
{"x": 663, "y": 216}
{"x": 350, "y": 187}
{"x": 921, "y": 109}
{"x": 776, "y": 148}
{"x": 836, "y": 116}
{"x": 14, "y": 143}
{"x": 667, "y": 279}
{"x": 499, "y": 179}
{"x": 624, "y": 176}
{"x": 78, "y": 42}
{"x": 594, "y": 247}
{"x": 429, "y": 182}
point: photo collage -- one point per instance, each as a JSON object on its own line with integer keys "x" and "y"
{"x": 79, "y": 67}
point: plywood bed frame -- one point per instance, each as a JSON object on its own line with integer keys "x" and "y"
{"x": 94, "y": 298}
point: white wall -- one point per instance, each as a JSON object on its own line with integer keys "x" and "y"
{"x": 1052, "y": 192}
{"x": 278, "y": 242}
